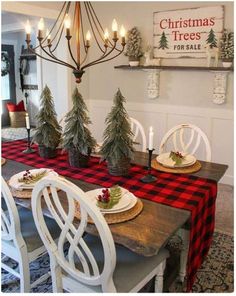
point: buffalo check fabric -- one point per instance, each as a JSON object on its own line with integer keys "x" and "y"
{"x": 187, "y": 192}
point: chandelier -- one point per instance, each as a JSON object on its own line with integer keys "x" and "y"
{"x": 83, "y": 13}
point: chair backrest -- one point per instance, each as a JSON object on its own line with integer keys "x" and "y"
{"x": 87, "y": 271}
{"x": 188, "y": 144}
{"x": 137, "y": 130}
{"x": 10, "y": 224}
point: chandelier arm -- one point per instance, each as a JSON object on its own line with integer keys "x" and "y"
{"x": 101, "y": 58}
{"x": 54, "y": 57}
{"x": 53, "y": 26}
{"x": 54, "y": 61}
{"x": 103, "y": 61}
{"x": 82, "y": 30}
{"x": 61, "y": 28}
{"x": 95, "y": 24}
{"x": 91, "y": 6}
{"x": 91, "y": 26}
{"x": 85, "y": 57}
{"x": 71, "y": 54}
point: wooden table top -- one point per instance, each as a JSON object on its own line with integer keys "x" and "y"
{"x": 150, "y": 230}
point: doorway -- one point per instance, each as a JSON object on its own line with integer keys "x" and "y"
{"x": 8, "y": 89}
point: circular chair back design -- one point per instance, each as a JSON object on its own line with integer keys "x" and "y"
{"x": 80, "y": 262}
{"x": 189, "y": 144}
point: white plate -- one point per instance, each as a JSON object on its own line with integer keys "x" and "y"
{"x": 14, "y": 183}
{"x": 127, "y": 201}
{"x": 166, "y": 161}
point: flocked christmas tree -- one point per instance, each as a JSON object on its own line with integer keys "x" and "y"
{"x": 163, "y": 43}
{"x": 48, "y": 131}
{"x": 76, "y": 134}
{"x": 227, "y": 46}
{"x": 118, "y": 143}
{"x": 211, "y": 40}
{"x": 133, "y": 46}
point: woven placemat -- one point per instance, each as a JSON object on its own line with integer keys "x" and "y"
{"x": 185, "y": 170}
{"x": 117, "y": 217}
{"x": 25, "y": 193}
{"x": 3, "y": 161}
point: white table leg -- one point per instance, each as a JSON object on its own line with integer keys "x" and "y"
{"x": 159, "y": 278}
{"x": 184, "y": 254}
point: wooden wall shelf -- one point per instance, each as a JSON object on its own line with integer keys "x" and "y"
{"x": 190, "y": 68}
{"x": 153, "y": 78}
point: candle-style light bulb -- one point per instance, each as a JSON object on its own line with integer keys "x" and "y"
{"x": 27, "y": 31}
{"x": 88, "y": 38}
{"x": 114, "y": 29}
{"x": 41, "y": 24}
{"x": 122, "y": 34}
{"x": 114, "y": 26}
{"x": 106, "y": 36}
{"x": 27, "y": 27}
{"x": 67, "y": 23}
{"x": 40, "y": 28}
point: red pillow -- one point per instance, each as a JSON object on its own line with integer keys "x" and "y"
{"x": 16, "y": 108}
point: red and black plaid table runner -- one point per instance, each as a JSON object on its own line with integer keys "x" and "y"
{"x": 187, "y": 192}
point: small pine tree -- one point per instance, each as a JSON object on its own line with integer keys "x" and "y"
{"x": 212, "y": 39}
{"x": 118, "y": 143}
{"x": 133, "y": 46}
{"x": 163, "y": 43}
{"x": 227, "y": 46}
{"x": 48, "y": 131}
{"x": 76, "y": 133}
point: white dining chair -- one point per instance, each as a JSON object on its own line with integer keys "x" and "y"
{"x": 185, "y": 138}
{"x": 138, "y": 132}
{"x": 92, "y": 263}
{"x": 188, "y": 143}
{"x": 20, "y": 240}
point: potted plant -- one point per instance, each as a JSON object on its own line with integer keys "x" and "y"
{"x": 227, "y": 48}
{"x": 117, "y": 147}
{"x": 77, "y": 138}
{"x": 48, "y": 131}
{"x": 133, "y": 46}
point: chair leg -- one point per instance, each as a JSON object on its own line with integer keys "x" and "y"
{"x": 184, "y": 255}
{"x": 56, "y": 276}
{"x": 158, "y": 288}
{"x": 24, "y": 271}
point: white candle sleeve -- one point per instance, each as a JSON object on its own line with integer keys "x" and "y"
{"x": 27, "y": 121}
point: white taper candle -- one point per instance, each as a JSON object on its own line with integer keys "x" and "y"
{"x": 150, "y": 142}
{"x": 27, "y": 121}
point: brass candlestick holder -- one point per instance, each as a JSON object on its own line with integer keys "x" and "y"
{"x": 28, "y": 149}
{"x": 149, "y": 178}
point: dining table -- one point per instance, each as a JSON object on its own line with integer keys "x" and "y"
{"x": 148, "y": 232}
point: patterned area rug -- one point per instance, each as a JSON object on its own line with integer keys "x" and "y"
{"x": 215, "y": 275}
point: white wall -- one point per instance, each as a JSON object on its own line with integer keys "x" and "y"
{"x": 185, "y": 96}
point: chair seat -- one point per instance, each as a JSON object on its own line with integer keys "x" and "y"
{"x": 130, "y": 270}
{"x": 30, "y": 232}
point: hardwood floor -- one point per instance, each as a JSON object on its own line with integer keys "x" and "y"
{"x": 225, "y": 209}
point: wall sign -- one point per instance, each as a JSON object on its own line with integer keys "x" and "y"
{"x": 188, "y": 32}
